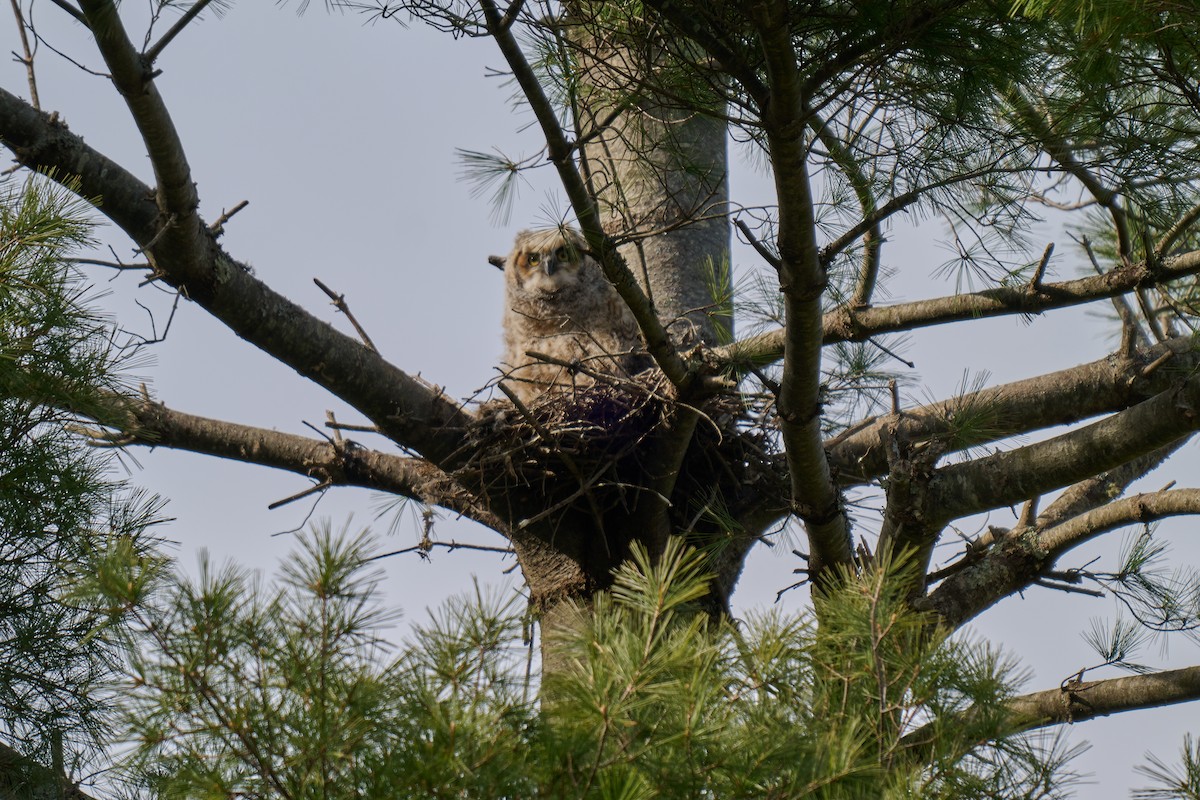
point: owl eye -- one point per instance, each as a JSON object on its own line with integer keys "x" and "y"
{"x": 564, "y": 254}
{"x": 534, "y": 258}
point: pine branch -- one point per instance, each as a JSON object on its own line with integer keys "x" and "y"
{"x": 1106, "y": 385}
{"x": 30, "y": 779}
{"x": 1078, "y": 700}
{"x": 1058, "y": 149}
{"x": 332, "y": 462}
{"x": 408, "y": 410}
{"x": 855, "y": 325}
{"x": 802, "y": 280}
{"x": 968, "y": 488}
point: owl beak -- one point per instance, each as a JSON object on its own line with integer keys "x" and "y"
{"x": 550, "y": 265}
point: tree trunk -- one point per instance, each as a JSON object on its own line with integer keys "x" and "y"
{"x": 659, "y": 173}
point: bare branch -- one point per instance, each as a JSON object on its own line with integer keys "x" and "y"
{"x": 339, "y": 302}
{"x": 1100, "y": 489}
{"x": 152, "y": 53}
{"x": 1078, "y": 700}
{"x": 1058, "y": 398}
{"x": 855, "y": 325}
{"x": 1140, "y": 508}
{"x": 342, "y": 463}
{"x": 1010, "y": 477}
{"x": 407, "y": 409}
{"x": 27, "y": 58}
{"x": 218, "y": 226}
{"x": 1021, "y": 556}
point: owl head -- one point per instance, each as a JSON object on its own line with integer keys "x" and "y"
{"x": 547, "y": 262}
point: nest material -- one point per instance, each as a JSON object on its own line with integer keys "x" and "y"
{"x": 588, "y": 443}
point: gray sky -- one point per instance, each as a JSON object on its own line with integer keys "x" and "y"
{"x": 342, "y": 136}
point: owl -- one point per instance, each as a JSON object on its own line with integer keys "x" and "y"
{"x": 557, "y": 302}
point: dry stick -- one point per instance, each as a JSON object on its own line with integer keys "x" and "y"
{"x": 346, "y": 426}
{"x": 320, "y": 487}
{"x": 189, "y": 15}
{"x": 585, "y": 486}
{"x": 339, "y": 302}
{"x": 425, "y": 547}
{"x": 218, "y": 227}
{"x": 1035, "y": 284}
{"x": 28, "y": 59}
{"x": 758, "y": 246}
{"x": 118, "y": 265}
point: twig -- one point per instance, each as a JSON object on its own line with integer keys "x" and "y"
{"x": 339, "y": 302}
{"x": 346, "y": 426}
{"x": 1069, "y": 589}
{"x": 96, "y": 262}
{"x": 585, "y": 486}
{"x": 903, "y": 361}
{"x": 331, "y": 422}
{"x": 218, "y": 227}
{"x": 28, "y": 58}
{"x": 156, "y": 50}
{"x": 426, "y": 546}
{"x": 320, "y": 487}
{"x": 758, "y": 246}
{"x": 1035, "y": 283}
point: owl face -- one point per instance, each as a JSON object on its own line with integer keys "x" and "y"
{"x": 547, "y": 263}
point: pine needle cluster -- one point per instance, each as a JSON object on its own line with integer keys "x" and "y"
{"x": 239, "y": 689}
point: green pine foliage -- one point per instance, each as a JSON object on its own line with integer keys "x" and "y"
{"x": 58, "y": 505}
{"x": 244, "y": 689}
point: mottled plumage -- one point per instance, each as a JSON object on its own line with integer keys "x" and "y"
{"x": 558, "y": 303}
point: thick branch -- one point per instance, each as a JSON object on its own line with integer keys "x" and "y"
{"x": 852, "y": 324}
{"x": 802, "y": 281}
{"x": 1078, "y": 701}
{"x": 1117, "y": 514}
{"x": 1109, "y": 384}
{"x": 1019, "y": 559}
{"x": 408, "y": 410}
{"x": 1100, "y": 489}
{"x": 176, "y": 193}
{"x": 1083, "y": 700}
{"x": 997, "y": 565}
{"x": 1011, "y": 477}
{"x": 338, "y": 463}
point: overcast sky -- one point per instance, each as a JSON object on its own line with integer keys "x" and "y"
{"x": 341, "y": 135}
